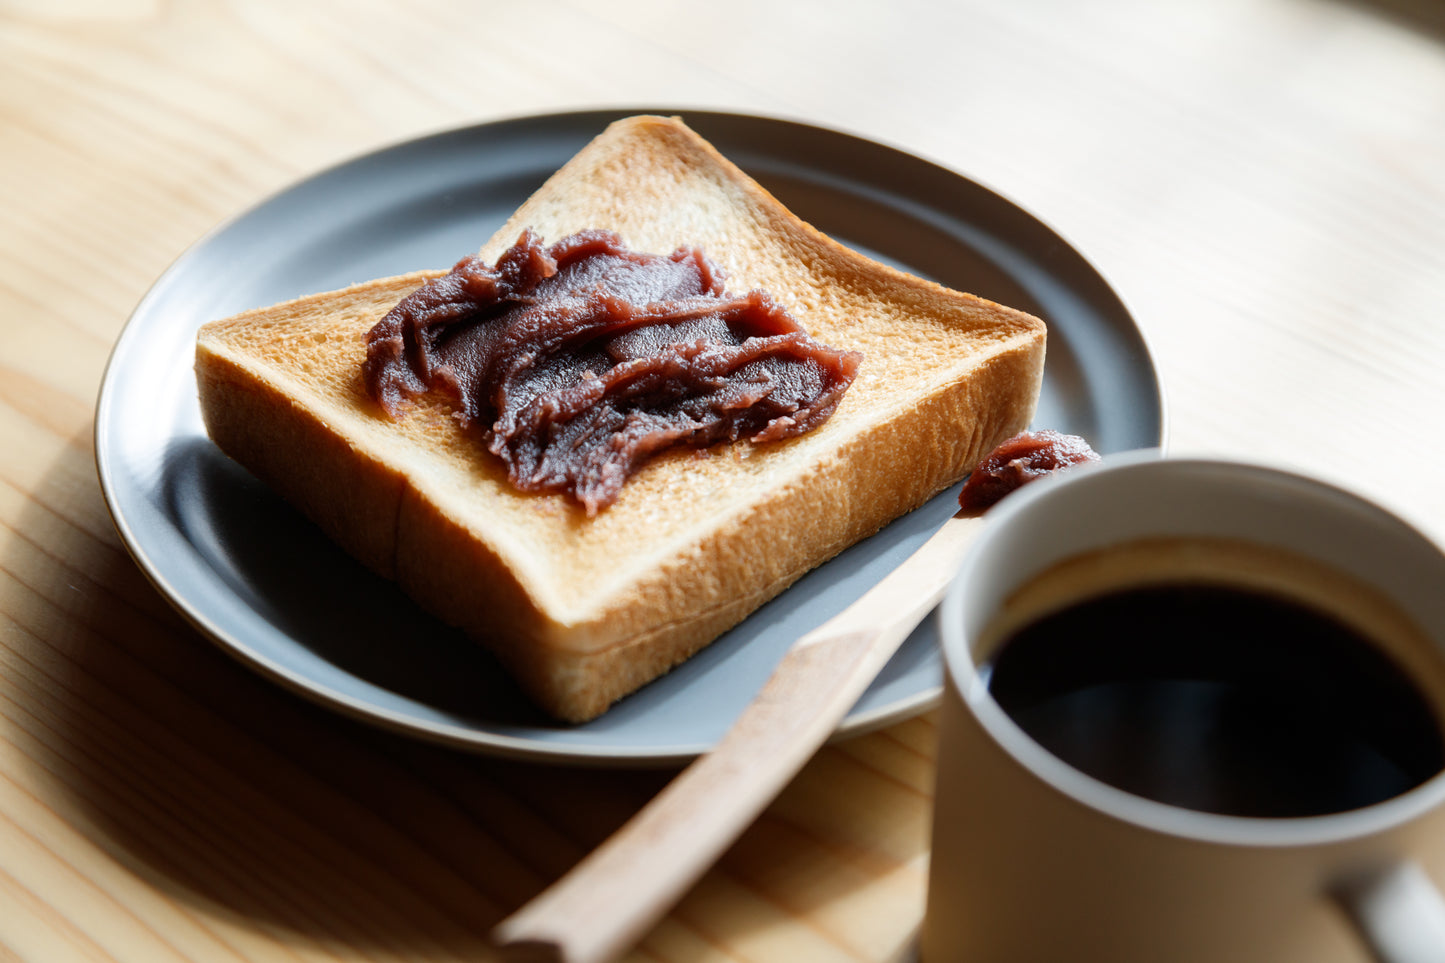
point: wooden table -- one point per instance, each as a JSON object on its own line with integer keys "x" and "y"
{"x": 1262, "y": 180}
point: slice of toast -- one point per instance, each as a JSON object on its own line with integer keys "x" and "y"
{"x": 585, "y": 610}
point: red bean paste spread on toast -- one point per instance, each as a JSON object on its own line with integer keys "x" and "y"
{"x": 581, "y": 360}
{"x": 1023, "y": 458}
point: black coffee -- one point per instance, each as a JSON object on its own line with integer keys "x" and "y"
{"x": 1220, "y": 700}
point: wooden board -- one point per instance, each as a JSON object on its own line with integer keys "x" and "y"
{"x": 1263, "y": 181}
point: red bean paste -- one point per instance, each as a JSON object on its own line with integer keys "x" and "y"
{"x": 1023, "y": 458}
{"x": 581, "y": 360}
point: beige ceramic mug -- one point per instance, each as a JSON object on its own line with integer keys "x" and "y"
{"x": 1033, "y": 860}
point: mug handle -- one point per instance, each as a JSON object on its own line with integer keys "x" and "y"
{"x": 1398, "y": 911}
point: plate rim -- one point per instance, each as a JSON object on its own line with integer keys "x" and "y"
{"x": 457, "y": 736}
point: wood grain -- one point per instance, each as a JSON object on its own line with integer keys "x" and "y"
{"x": 620, "y": 890}
{"x": 1262, "y": 180}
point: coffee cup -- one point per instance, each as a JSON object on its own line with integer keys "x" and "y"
{"x": 1257, "y": 777}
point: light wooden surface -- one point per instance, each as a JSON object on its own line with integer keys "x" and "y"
{"x": 621, "y": 889}
{"x": 1262, "y": 180}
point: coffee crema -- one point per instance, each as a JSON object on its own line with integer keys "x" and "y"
{"x": 1221, "y": 677}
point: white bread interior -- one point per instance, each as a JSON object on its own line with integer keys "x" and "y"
{"x": 584, "y": 611}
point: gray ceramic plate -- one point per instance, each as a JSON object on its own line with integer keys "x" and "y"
{"x": 259, "y": 580}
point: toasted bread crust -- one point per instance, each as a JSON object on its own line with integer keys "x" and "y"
{"x": 582, "y": 610}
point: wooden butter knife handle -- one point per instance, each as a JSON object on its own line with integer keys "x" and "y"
{"x": 616, "y": 894}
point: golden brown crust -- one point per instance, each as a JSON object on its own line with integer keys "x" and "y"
{"x": 584, "y": 611}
